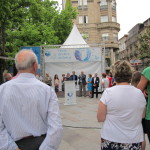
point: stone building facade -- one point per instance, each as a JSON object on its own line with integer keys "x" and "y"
{"x": 122, "y": 53}
{"x": 128, "y": 45}
{"x": 97, "y": 22}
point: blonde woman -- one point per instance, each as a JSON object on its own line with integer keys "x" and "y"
{"x": 89, "y": 85}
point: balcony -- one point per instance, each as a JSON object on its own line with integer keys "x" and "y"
{"x": 114, "y": 8}
{"x": 107, "y": 25}
{"x": 84, "y": 7}
{"x": 112, "y": 44}
{"x": 80, "y": 7}
{"x": 107, "y": 55}
{"x": 104, "y": 7}
{"x": 86, "y": 25}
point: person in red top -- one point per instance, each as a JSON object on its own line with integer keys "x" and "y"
{"x": 110, "y": 77}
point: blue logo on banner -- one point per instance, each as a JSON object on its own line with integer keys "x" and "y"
{"x": 47, "y": 53}
{"x": 83, "y": 54}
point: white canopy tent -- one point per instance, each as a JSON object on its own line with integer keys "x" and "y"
{"x": 73, "y": 55}
{"x": 74, "y": 40}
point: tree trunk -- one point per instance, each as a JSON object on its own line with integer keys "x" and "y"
{"x": 2, "y": 39}
{"x": 2, "y": 50}
{"x": 2, "y": 68}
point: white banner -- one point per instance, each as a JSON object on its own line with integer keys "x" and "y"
{"x": 73, "y": 55}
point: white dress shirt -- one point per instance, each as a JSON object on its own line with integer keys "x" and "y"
{"x": 29, "y": 107}
{"x": 94, "y": 80}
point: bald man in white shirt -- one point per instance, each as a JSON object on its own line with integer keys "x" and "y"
{"x": 29, "y": 111}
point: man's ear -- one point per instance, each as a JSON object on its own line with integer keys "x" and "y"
{"x": 35, "y": 66}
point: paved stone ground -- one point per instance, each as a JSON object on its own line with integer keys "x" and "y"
{"x": 81, "y": 129}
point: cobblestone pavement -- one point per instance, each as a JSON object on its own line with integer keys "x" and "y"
{"x": 81, "y": 129}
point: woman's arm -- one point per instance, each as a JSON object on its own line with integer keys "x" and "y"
{"x": 143, "y": 83}
{"x": 103, "y": 85}
{"x": 102, "y": 111}
{"x": 144, "y": 112}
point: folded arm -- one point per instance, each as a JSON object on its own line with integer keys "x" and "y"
{"x": 143, "y": 83}
{"x": 6, "y": 141}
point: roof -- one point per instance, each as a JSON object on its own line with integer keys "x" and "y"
{"x": 74, "y": 39}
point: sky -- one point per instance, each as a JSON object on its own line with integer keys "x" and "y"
{"x": 129, "y": 13}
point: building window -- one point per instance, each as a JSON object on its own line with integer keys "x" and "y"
{"x": 114, "y": 19}
{"x": 105, "y": 36}
{"x": 104, "y": 18}
{"x": 103, "y": 4}
{"x": 115, "y": 37}
{"x": 85, "y": 2}
{"x": 85, "y": 19}
{"x": 80, "y": 19}
{"x": 113, "y": 4}
{"x": 79, "y": 2}
{"x": 82, "y": 4}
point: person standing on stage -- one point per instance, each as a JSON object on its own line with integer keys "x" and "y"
{"x": 89, "y": 85}
{"x": 74, "y": 77}
{"x": 56, "y": 83}
{"x": 48, "y": 79}
{"x": 95, "y": 85}
{"x": 63, "y": 82}
{"x": 82, "y": 84}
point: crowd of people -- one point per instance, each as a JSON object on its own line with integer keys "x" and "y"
{"x": 90, "y": 83}
{"x": 29, "y": 110}
{"x": 122, "y": 108}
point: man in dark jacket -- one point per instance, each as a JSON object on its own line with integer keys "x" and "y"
{"x": 95, "y": 85}
{"x": 74, "y": 77}
{"x": 82, "y": 84}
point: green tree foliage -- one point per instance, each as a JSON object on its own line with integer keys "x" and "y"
{"x": 64, "y": 21}
{"x": 43, "y": 24}
{"x": 68, "y": 4}
{"x": 144, "y": 45}
{"x": 32, "y": 23}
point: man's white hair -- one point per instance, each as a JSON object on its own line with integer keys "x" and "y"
{"x": 27, "y": 61}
